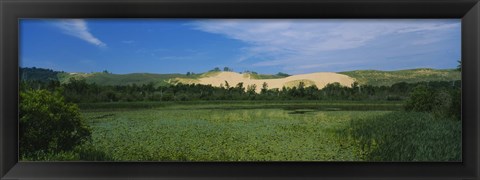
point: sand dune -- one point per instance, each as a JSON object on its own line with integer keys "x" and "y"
{"x": 319, "y": 79}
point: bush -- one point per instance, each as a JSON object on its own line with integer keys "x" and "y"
{"x": 49, "y": 124}
{"x": 441, "y": 102}
{"x": 420, "y": 100}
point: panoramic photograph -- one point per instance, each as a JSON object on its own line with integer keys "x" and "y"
{"x": 230, "y": 90}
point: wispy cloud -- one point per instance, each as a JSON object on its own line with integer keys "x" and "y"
{"x": 306, "y": 42}
{"x": 79, "y": 28}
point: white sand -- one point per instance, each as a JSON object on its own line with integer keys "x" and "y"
{"x": 320, "y": 79}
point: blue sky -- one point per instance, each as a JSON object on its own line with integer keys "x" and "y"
{"x": 265, "y": 46}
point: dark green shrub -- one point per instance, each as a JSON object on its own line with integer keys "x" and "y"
{"x": 421, "y": 99}
{"x": 49, "y": 124}
{"x": 440, "y": 102}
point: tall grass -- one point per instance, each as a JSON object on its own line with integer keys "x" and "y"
{"x": 406, "y": 136}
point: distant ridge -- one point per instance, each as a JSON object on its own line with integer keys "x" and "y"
{"x": 367, "y": 77}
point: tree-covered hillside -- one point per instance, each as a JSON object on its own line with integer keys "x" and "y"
{"x": 38, "y": 74}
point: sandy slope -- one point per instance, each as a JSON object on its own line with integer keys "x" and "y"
{"x": 320, "y": 79}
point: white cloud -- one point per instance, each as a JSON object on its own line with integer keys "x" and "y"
{"x": 290, "y": 42}
{"x": 78, "y": 28}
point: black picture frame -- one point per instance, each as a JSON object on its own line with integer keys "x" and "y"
{"x": 12, "y": 10}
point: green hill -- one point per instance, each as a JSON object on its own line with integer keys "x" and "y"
{"x": 387, "y": 78}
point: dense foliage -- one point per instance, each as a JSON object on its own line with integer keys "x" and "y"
{"x": 48, "y": 124}
{"x": 79, "y": 91}
{"x": 439, "y": 101}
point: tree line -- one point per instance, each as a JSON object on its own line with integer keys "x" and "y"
{"x": 79, "y": 91}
